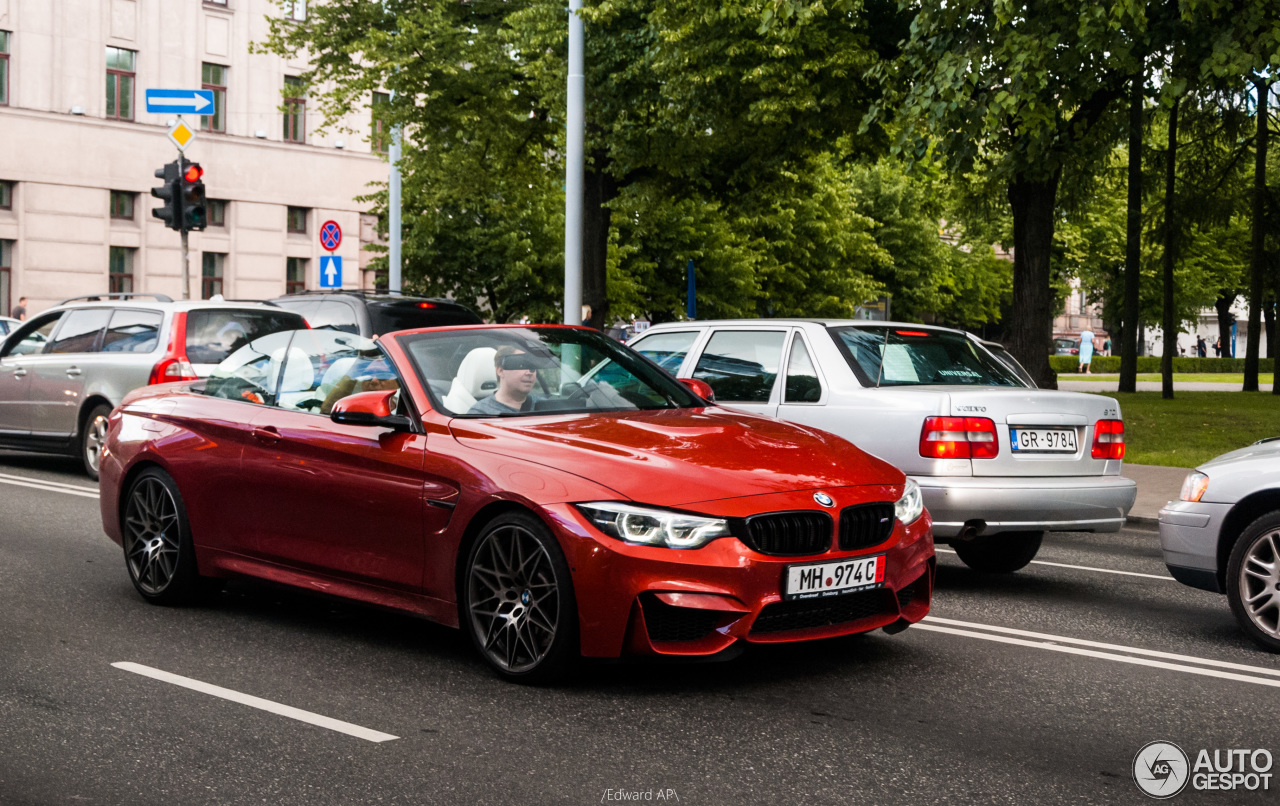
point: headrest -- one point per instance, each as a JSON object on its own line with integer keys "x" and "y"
{"x": 476, "y": 373}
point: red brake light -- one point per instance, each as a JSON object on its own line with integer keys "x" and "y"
{"x": 911, "y": 333}
{"x": 959, "y": 438}
{"x": 1108, "y": 439}
{"x": 426, "y": 305}
{"x": 174, "y": 365}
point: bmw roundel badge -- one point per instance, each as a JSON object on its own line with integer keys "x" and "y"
{"x": 824, "y": 499}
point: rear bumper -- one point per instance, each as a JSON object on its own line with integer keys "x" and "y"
{"x": 1189, "y": 534}
{"x": 1013, "y": 504}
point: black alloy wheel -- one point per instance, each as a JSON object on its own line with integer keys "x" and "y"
{"x": 1253, "y": 581}
{"x": 1001, "y": 553}
{"x": 93, "y": 436}
{"x": 157, "y": 541}
{"x": 517, "y": 601}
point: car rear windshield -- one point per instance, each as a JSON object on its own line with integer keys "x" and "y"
{"x": 213, "y": 335}
{"x": 387, "y": 317}
{"x": 896, "y": 356}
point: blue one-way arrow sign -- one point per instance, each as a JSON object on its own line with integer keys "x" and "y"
{"x": 331, "y": 271}
{"x": 194, "y": 102}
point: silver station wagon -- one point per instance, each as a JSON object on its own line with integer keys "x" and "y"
{"x": 998, "y": 461}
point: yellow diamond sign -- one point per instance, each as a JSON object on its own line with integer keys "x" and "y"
{"x": 181, "y": 135}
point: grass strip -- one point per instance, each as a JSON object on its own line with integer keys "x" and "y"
{"x": 1194, "y": 427}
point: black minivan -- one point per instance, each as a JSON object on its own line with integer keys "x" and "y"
{"x": 372, "y": 314}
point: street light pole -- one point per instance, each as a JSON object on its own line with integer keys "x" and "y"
{"x": 393, "y": 202}
{"x": 573, "y": 170}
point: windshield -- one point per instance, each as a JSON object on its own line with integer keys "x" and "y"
{"x": 497, "y": 372}
{"x": 897, "y": 356}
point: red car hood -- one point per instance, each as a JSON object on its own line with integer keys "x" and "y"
{"x": 681, "y": 456}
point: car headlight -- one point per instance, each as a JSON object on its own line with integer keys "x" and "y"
{"x": 910, "y": 505}
{"x": 1193, "y": 486}
{"x": 654, "y": 527}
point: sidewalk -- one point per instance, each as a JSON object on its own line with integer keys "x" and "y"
{"x": 1156, "y": 486}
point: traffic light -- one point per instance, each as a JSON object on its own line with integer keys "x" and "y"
{"x": 171, "y": 193}
{"x": 194, "y": 216}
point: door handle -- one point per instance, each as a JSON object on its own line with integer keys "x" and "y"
{"x": 19, "y": 373}
{"x": 74, "y": 372}
{"x": 267, "y": 434}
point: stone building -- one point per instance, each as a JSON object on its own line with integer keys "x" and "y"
{"x": 78, "y": 152}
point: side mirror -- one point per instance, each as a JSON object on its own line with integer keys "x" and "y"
{"x": 369, "y": 408}
{"x": 700, "y": 388}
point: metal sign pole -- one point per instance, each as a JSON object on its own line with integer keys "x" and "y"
{"x": 573, "y": 170}
{"x": 186, "y": 264}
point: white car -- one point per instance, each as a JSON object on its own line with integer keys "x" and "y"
{"x": 999, "y": 462}
{"x": 1223, "y": 535}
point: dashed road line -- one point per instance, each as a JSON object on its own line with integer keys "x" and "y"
{"x": 289, "y": 711}
{"x": 1085, "y": 568}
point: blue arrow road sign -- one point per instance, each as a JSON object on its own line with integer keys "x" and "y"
{"x": 169, "y": 102}
{"x": 331, "y": 271}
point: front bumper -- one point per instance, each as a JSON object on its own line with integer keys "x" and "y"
{"x": 700, "y": 602}
{"x": 1016, "y": 504}
{"x": 1189, "y": 532}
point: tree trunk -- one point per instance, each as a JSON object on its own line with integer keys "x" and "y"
{"x": 1133, "y": 242}
{"x": 1170, "y": 323}
{"x": 1031, "y": 329}
{"x": 1257, "y": 255}
{"x": 1225, "y": 318}
{"x": 599, "y": 188}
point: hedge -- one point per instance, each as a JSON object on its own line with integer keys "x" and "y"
{"x": 1063, "y": 364}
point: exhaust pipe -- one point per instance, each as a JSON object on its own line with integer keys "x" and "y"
{"x": 971, "y": 529}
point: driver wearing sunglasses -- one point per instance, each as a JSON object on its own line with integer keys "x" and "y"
{"x": 516, "y": 373}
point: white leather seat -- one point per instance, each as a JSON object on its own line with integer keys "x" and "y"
{"x": 476, "y": 379}
{"x": 299, "y": 381}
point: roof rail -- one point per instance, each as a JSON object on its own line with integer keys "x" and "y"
{"x": 255, "y": 301}
{"x": 119, "y": 295}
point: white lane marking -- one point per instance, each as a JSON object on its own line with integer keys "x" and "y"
{"x": 257, "y": 702}
{"x": 48, "y": 486}
{"x": 1085, "y": 568}
{"x": 1091, "y": 653}
{"x": 1154, "y": 653}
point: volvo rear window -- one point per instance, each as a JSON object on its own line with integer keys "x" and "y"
{"x": 214, "y": 335}
{"x": 902, "y": 356}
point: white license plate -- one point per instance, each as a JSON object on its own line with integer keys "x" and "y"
{"x": 1043, "y": 440}
{"x": 832, "y": 579}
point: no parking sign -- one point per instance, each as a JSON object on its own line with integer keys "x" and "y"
{"x": 330, "y": 235}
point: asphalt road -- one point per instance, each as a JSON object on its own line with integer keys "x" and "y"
{"x": 998, "y": 698}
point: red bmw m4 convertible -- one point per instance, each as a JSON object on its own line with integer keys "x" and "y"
{"x": 549, "y": 491}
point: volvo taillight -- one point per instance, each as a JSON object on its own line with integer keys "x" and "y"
{"x": 1108, "y": 439}
{"x": 959, "y": 438}
{"x": 174, "y": 365}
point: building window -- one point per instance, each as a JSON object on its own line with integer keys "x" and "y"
{"x": 297, "y": 220}
{"x": 4, "y": 68}
{"x": 296, "y": 10}
{"x": 211, "y": 275}
{"x": 216, "y": 209}
{"x": 120, "y": 271}
{"x": 120, "y": 73}
{"x": 380, "y": 132}
{"x": 214, "y": 77}
{"x": 295, "y": 275}
{"x": 295, "y": 111}
{"x": 222, "y": 3}
{"x": 122, "y": 204}
{"x": 6, "y": 195}
{"x": 6, "y": 278}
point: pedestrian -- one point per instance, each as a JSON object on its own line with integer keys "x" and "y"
{"x": 1217, "y": 347}
{"x": 1106, "y": 347}
{"x": 1201, "y": 347}
{"x": 1086, "y": 352}
{"x": 19, "y": 311}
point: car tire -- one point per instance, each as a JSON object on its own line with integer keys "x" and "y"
{"x": 93, "y": 436}
{"x": 517, "y": 603}
{"x": 158, "y": 551}
{"x": 1249, "y": 581}
{"x": 1001, "y": 553}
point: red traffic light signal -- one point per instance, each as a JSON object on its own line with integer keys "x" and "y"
{"x": 193, "y": 174}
